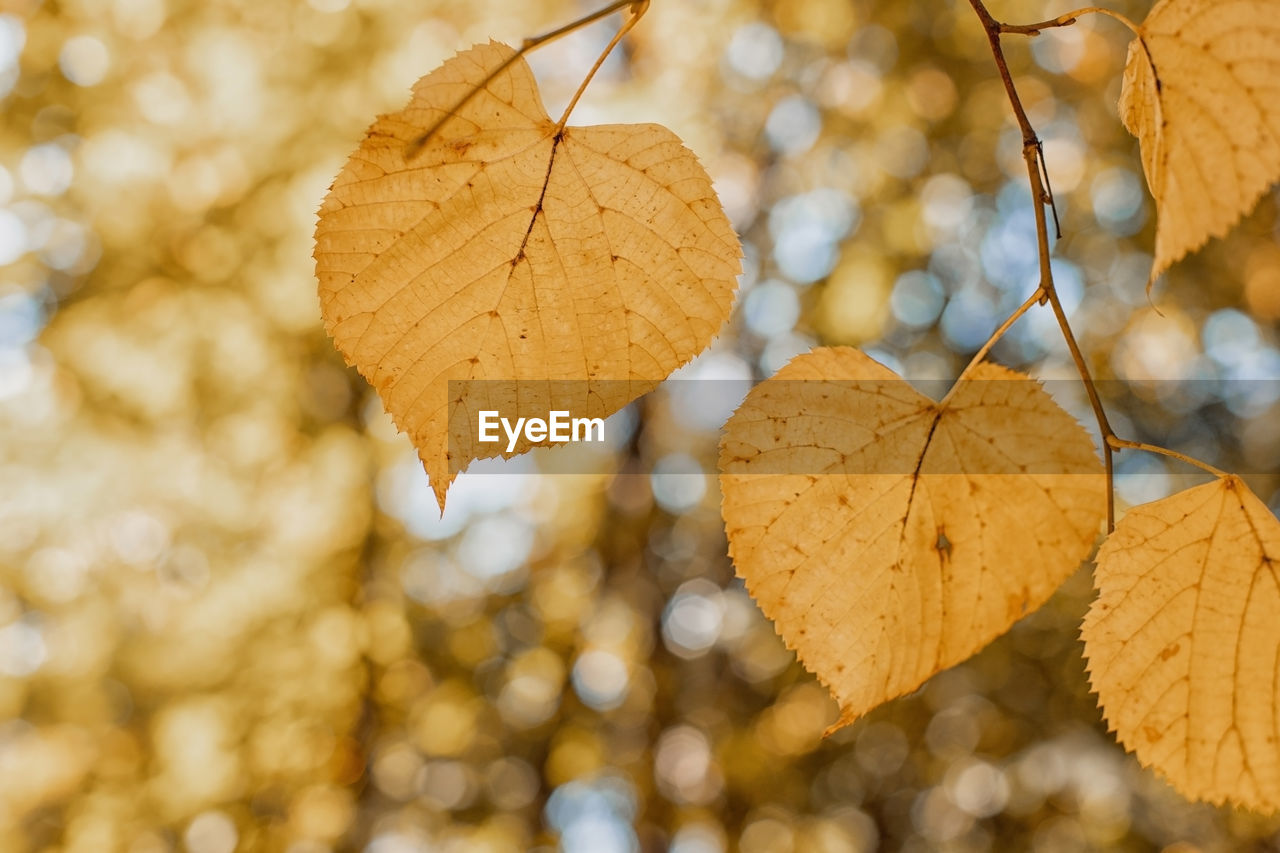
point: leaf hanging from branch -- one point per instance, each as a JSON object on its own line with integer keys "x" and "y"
{"x": 506, "y": 248}
{"x": 1200, "y": 94}
{"x": 889, "y": 536}
{"x": 1183, "y": 641}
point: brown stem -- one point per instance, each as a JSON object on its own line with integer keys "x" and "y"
{"x": 993, "y": 30}
{"x": 1065, "y": 21}
{"x": 1038, "y": 175}
{"x": 1034, "y": 298}
{"x": 1121, "y": 443}
{"x": 1040, "y": 197}
{"x": 639, "y": 6}
{"x": 1108, "y": 460}
{"x": 637, "y": 9}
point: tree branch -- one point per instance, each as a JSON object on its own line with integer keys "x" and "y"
{"x": 1065, "y": 21}
{"x": 1038, "y": 176}
{"x": 1121, "y": 443}
{"x": 1040, "y": 197}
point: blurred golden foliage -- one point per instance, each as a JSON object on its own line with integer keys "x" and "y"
{"x": 231, "y": 617}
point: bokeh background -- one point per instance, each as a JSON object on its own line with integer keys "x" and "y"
{"x": 230, "y": 617}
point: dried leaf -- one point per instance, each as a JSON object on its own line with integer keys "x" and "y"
{"x": 1200, "y": 94}
{"x": 504, "y": 250}
{"x": 1183, "y": 641}
{"x": 888, "y": 536}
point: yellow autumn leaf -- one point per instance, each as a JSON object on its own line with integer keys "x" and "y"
{"x": 1183, "y": 641}
{"x": 889, "y": 536}
{"x": 1200, "y": 94}
{"x": 506, "y": 249}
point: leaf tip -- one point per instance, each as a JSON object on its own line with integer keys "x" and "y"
{"x": 847, "y": 716}
{"x": 440, "y": 475}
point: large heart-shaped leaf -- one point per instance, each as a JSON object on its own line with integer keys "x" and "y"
{"x": 1183, "y": 641}
{"x": 889, "y": 536}
{"x": 508, "y": 249}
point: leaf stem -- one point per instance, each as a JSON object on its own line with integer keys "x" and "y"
{"x": 637, "y": 11}
{"x": 1038, "y": 175}
{"x": 999, "y": 333}
{"x": 638, "y": 8}
{"x": 993, "y": 30}
{"x": 1065, "y": 21}
{"x": 1122, "y": 443}
{"x": 1040, "y": 197}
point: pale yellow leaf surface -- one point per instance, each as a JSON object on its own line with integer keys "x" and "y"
{"x": 598, "y": 256}
{"x": 889, "y": 537}
{"x": 1183, "y": 641}
{"x": 1201, "y": 93}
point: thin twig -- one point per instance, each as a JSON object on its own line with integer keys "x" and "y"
{"x": 637, "y": 10}
{"x": 1121, "y": 443}
{"x": 415, "y": 146}
{"x": 992, "y": 28}
{"x": 1109, "y": 462}
{"x": 1065, "y": 21}
{"x": 1031, "y": 154}
{"x": 1048, "y": 192}
{"x": 1032, "y": 300}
